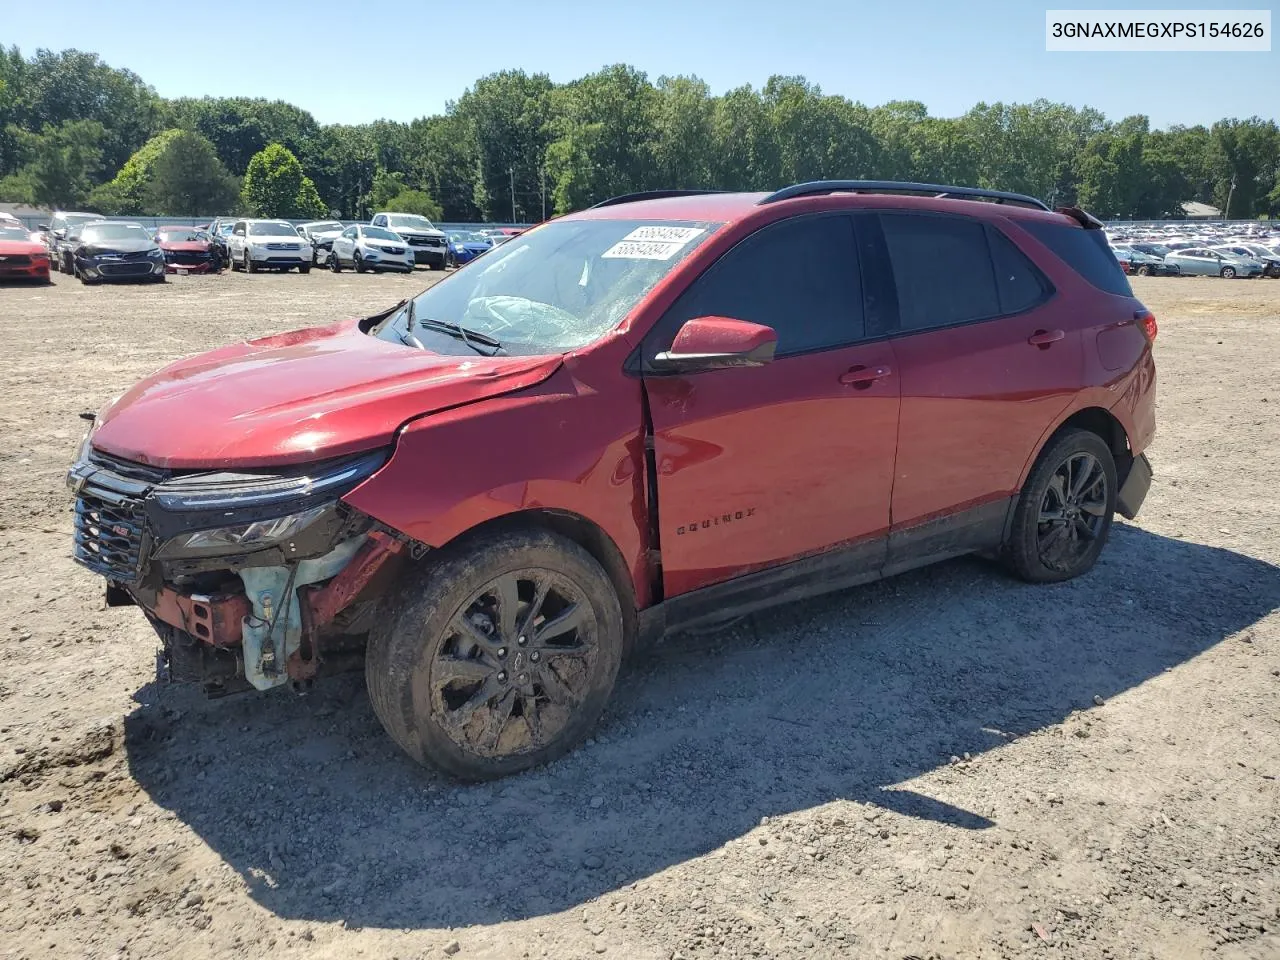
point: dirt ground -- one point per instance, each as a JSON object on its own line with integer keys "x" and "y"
{"x": 948, "y": 764}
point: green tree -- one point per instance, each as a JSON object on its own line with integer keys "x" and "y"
{"x": 126, "y": 192}
{"x": 504, "y": 121}
{"x": 242, "y": 127}
{"x": 275, "y": 186}
{"x": 385, "y": 186}
{"x": 414, "y": 201}
{"x": 604, "y": 137}
{"x": 188, "y": 179}
{"x": 62, "y": 162}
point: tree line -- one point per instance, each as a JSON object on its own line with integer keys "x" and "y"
{"x": 76, "y": 132}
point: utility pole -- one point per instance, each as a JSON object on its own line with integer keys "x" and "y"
{"x": 543, "y": 171}
{"x": 512, "y": 171}
{"x": 1226, "y": 214}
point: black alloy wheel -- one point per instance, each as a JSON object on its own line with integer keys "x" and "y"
{"x": 515, "y": 665}
{"x": 1073, "y": 512}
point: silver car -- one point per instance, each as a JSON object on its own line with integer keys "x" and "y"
{"x": 1206, "y": 262}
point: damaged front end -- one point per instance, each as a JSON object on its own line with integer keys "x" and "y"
{"x": 251, "y": 578}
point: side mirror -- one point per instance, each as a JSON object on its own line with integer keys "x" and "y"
{"x": 714, "y": 343}
{"x": 42, "y": 227}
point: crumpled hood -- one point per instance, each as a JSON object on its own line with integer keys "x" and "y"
{"x": 184, "y": 246}
{"x": 297, "y": 397}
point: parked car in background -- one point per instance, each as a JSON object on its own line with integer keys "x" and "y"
{"x": 497, "y": 237}
{"x": 466, "y": 245}
{"x": 22, "y": 256}
{"x": 1269, "y": 259}
{"x": 737, "y": 400}
{"x": 1205, "y": 262}
{"x": 321, "y": 233}
{"x": 55, "y": 231}
{"x": 268, "y": 245}
{"x": 116, "y": 250}
{"x": 219, "y": 233}
{"x": 187, "y": 250}
{"x": 430, "y": 246}
{"x": 364, "y": 248}
{"x": 1144, "y": 264}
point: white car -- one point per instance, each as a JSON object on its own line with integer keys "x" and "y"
{"x": 268, "y": 245}
{"x": 370, "y": 248}
{"x": 430, "y": 246}
{"x": 321, "y": 233}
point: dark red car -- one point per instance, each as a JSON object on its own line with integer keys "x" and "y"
{"x": 187, "y": 250}
{"x": 661, "y": 412}
{"x": 21, "y": 257}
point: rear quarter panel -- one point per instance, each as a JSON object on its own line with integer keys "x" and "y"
{"x": 1118, "y": 371}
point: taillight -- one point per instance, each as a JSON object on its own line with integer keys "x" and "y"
{"x": 1147, "y": 320}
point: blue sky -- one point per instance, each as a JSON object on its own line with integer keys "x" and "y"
{"x": 406, "y": 58}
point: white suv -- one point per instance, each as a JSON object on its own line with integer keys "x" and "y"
{"x": 428, "y": 244}
{"x": 370, "y": 248}
{"x": 268, "y": 245}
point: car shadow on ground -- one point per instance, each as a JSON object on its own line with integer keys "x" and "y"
{"x": 843, "y": 697}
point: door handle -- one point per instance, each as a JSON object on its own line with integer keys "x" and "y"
{"x": 861, "y": 377}
{"x": 1042, "y": 338}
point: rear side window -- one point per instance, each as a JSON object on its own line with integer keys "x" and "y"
{"x": 942, "y": 269}
{"x": 1021, "y": 286}
{"x": 1084, "y": 251}
{"x": 799, "y": 277}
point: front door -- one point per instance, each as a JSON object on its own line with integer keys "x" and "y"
{"x": 761, "y": 465}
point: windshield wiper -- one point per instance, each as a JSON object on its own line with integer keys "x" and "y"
{"x": 466, "y": 335}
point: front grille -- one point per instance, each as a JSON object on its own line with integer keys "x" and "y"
{"x": 15, "y": 260}
{"x": 108, "y": 533}
{"x": 187, "y": 256}
{"x": 283, "y": 246}
{"x": 136, "y": 269}
{"x": 128, "y": 468}
{"x": 425, "y": 241}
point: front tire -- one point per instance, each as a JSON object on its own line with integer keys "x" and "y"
{"x": 249, "y": 265}
{"x": 1064, "y": 513}
{"x": 497, "y": 657}
{"x": 359, "y": 262}
{"x": 304, "y": 268}
{"x": 1144, "y": 271}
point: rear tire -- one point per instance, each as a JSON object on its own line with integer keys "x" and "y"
{"x": 1063, "y": 515}
{"x": 1144, "y": 271}
{"x": 335, "y": 261}
{"x": 1228, "y": 273}
{"x": 477, "y": 688}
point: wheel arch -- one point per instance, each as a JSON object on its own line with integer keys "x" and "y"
{"x": 585, "y": 533}
{"x": 1096, "y": 420}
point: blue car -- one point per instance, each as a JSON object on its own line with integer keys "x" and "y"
{"x": 466, "y": 245}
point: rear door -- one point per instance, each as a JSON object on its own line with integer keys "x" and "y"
{"x": 986, "y": 364}
{"x": 761, "y": 465}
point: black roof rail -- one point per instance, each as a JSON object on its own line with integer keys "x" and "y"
{"x": 651, "y": 195}
{"x": 896, "y": 186}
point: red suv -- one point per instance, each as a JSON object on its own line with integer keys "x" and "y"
{"x": 661, "y": 412}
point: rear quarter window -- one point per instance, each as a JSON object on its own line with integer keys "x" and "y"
{"x": 1084, "y": 251}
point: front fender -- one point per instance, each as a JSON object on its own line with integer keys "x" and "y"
{"x": 564, "y": 444}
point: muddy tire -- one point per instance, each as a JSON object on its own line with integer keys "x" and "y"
{"x": 1063, "y": 515}
{"x": 497, "y": 655}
